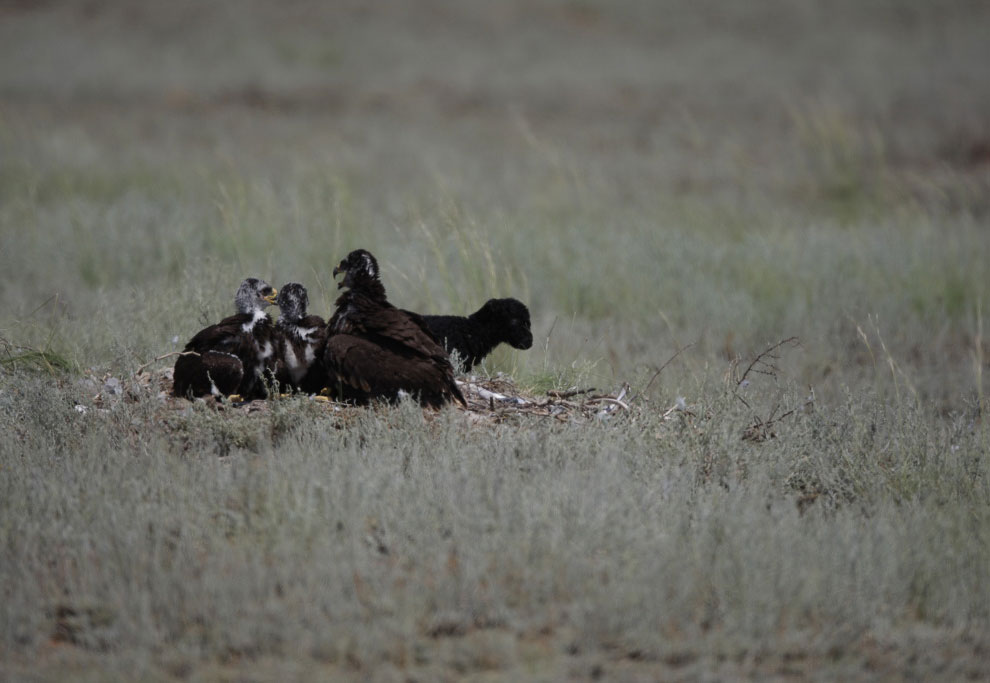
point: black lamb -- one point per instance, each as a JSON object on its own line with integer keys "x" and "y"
{"x": 477, "y": 335}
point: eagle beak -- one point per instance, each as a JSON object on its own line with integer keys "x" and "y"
{"x": 271, "y": 297}
{"x": 337, "y": 271}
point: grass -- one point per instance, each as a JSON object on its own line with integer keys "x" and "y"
{"x": 633, "y": 539}
{"x": 672, "y": 192}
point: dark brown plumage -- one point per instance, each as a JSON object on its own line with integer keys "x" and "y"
{"x": 375, "y": 350}
{"x": 301, "y": 339}
{"x": 475, "y": 336}
{"x": 232, "y": 356}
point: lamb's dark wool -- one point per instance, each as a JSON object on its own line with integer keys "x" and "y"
{"x": 232, "y": 356}
{"x": 375, "y": 350}
{"x": 301, "y": 339}
{"x": 477, "y": 335}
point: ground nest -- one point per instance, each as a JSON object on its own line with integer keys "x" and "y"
{"x": 491, "y": 400}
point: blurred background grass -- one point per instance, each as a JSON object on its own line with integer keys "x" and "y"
{"x": 646, "y": 176}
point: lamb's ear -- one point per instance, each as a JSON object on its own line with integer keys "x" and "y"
{"x": 491, "y": 309}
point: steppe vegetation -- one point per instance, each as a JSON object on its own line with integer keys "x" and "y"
{"x": 674, "y": 188}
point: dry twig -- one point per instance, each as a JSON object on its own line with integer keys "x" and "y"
{"x": 568, "y": 394}
{"x": 760, "y": 360}
{"x": 661, "y": 368}
{"x": 762, "y": 429}
{"x": 163, "y": 357}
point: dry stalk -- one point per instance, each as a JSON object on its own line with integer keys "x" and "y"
{"x": 760, "y": 365}
{"x": 661, "y": 369}
{"x": 764, "y": 364}
{"x": 163, "y": 357}
{"x": 568, "y": 394}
